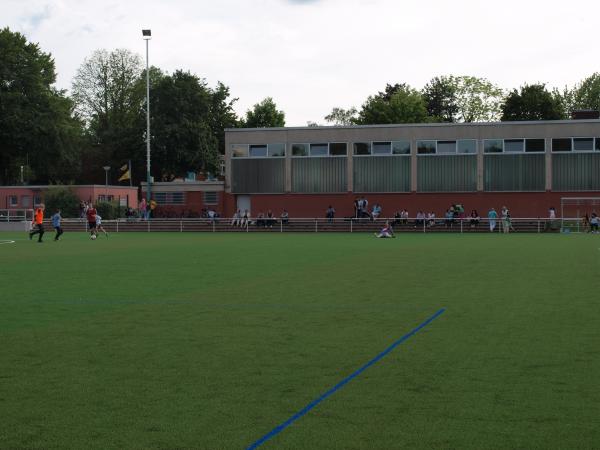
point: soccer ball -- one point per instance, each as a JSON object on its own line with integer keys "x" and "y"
{"x": 93, "y": 237}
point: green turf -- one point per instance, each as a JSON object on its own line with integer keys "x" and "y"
{"x": 207, "y": 341}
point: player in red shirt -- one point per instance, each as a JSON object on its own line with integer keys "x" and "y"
{"x": 91, "y": 218}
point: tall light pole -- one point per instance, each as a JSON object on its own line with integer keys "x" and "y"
{"x": 147, "y": 35}
{"x": 106, "y": 169}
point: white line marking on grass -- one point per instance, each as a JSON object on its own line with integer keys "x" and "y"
{"x": 6, "y": 241}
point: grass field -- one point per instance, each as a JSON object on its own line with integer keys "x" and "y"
{"x": 208, "y": 341}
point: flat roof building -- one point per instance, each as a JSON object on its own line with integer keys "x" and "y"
{"x": 528, "y": 165}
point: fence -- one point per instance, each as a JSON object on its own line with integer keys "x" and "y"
{"x": 16, "y": 215}
{"x": 351, "y": 225}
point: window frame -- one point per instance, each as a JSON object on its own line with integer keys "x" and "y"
{"x": 11, "y": 203}
{"x": 595, "y": 144}
{"x": 208, "y": 202}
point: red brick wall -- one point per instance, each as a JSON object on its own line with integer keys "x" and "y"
{"x": 314, "y": 205}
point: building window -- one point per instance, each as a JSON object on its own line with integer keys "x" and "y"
{"x": 400, "y": 147}
{"x": 598, "y": 144}
{"x": 562, "y": 145}
{"x": 299, "y": 149}
{"x": 26, "y": 201}
{"x": 426, "y": 147}
{"x": 169, "y": 198}
{"x": 338, "y": 149}
{"x": 583, "y": 144}
{"x": 362, "y": 148}
{"x": 535, "y": 145}
{"x": 492, "y": 146}
{"x": 514, "y": 145}
{"x": 13, "y": 201}
{"x": 446, "y": 147}
{"x": 105, "y": 198}
{"x": 318, "y": 149}
{"x": 211, "y": 198}
{"x": 466, "y": 146}
{"x": 277, "y": 150}
{"x": 382, "y": 148}
{"x": 239, "y": 151}
{"x": 258, "y": 151}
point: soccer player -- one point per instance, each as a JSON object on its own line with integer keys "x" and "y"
{"x": 56, "y": 218}
{"x": 91, "y": 218}
{"x": 492, "y": 216}
{"x": 99, "y": 225}
{"x": 38, "y": 223}
{"x": 386, "y": 232}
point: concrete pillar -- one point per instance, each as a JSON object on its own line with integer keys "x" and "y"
{"x": 480, "y": 165}
{"x": 288, "y": 168}
{"x": 350, "y": 167}
{"x": 548, "y": 164}
{"x": 413, "y": 166}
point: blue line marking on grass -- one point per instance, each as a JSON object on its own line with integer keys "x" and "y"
{"x": 279, "y": 428}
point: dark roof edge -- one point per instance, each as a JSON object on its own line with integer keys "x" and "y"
{"x": 407, "y": 125}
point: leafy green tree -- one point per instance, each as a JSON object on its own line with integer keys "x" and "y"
{"x": 532, "y": 102}
{"x": 182, "y": 137}
{"x": 342, "y": 117}
{"x": 264, "y": 115}
{"x": 110, "y": 97}
{"x": 63, "y": 198}
{"x": 440, "y": 97}
{"x": 222, "y": 114}
{"x": 399, "y": 104}
{"x": 477, "y": 99}
{"x": 586, "y": 95}
{"x": 37, "y": 127}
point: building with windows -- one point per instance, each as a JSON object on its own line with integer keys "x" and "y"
{"x": 26, "y": 197}
{"x": 527, "y": 166}
{"x": 187, "y": 198}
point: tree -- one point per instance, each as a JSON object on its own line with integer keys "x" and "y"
{"x": 264, "y": 115}
{"x": 110, "y": 97}
{"x": 586, "y": 95}
{"x": 37, "y": 127}
{"x": 532, "y": 102}
{"x": 63, "y": 198}
{"x": 342, "y": 117}
{"x": 403, "y": 105}
{"x": 222, "y": 114}
{"x": 440, "y": 98}
{"x": 477, "y": 99}
{"x": 182, "y": 135}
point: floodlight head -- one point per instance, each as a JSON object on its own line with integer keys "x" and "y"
{"x": 147, "y": 34}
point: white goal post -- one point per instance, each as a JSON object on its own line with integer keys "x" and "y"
{"x": 574, "y": 209}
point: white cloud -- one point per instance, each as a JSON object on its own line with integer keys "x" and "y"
{"x": 313, "y": 55}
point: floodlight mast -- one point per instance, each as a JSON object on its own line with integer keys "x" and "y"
{"x": 147, "y": 35}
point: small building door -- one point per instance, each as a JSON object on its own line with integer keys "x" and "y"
{"x": 243, "y": 203}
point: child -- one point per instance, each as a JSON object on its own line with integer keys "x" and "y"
{"x": 99, "y": 226}
{"x": 386, "y": 232}
{"x": 56, "y": 218}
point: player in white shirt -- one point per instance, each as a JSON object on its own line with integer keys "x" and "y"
{"x": 99, "y": 226}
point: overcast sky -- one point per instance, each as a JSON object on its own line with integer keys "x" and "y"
{"x": 313, "y": 55}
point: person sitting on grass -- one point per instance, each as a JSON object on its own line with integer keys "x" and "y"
{"x": 386, "y": 231}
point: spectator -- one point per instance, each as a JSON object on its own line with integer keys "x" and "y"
{"x": 376, "y": 212}
{"x": 397, "y": 218}
{"x": 270, "y": 220}
{"x": 430, "y": 219}
{"x": 404, "y": 216}
{"x": 420, "y": 221}
{"x": 235, "y": 221}
{"x": 285, "y": 217}
{"x": 594, "y": 222}
{"x": 356, "y": 208}
{"x": 492, "y": 217}
{"x": 449, "y": 217}
{"x": 586, "y": 223}
{"x": 330, "y": 214}
{"x": 245, "y": 219}
{"x": 260, "y": 219}
{"x": 474, "y": 218}
{"x": 142, "y": 208}
{"x": 505, "y": 220}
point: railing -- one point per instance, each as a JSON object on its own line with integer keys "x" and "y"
{"x": 16, "y": 215}
{"x": 352, "y": 225}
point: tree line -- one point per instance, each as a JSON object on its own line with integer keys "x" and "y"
{"x": 54, "y": 136}
{"x": 51, "y": 136}
{"x": 455, "y": 99}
